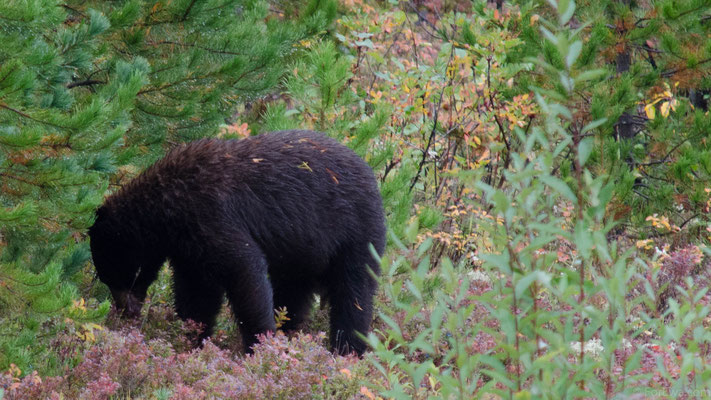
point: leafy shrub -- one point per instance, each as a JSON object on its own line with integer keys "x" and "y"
{"x": 555, "y": 318}
{"x": 125, "y": 365}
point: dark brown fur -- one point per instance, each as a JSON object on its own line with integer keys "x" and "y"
{"x": 268, "y": 220}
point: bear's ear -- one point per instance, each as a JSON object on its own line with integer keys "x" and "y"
{"x": 101, "y": 212}
{"x": 100, "y": 218}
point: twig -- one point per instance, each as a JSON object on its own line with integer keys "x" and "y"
{"x": 187, "y": 11}
{"x": 88, "y": 82}
{"x": 434, "y": 124}
{"x": 666, "y": 157}
{"x": 443, "y": 35}
{"x": 214, "y": 51}
{"x": 671, "y": 72}
{"x": 18, "y": 112}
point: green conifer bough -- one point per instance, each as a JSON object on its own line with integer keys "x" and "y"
{"x": 89, "y": 86}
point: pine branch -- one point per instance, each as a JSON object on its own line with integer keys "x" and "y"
{"x": 18, "y": 112}
{"x": 187, "y": 11}
{"x": 213, "y": 51}
{"x": 88, "y": 82}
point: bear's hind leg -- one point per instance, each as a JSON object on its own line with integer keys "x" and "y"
{"x": 350, "y": 293}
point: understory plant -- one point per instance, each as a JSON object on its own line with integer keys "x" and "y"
{"x": 125, "y": 364}
{"x": 549, "y": 306}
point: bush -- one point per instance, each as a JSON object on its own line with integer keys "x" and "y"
{"x": 125, "y": 365}
{"x": 546, "y": 311}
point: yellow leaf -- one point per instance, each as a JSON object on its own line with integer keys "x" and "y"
{"x": 79, "y": 304}
{"x": 450, "y": 71}
{"x": 645, "y": 244}
{"x": 665, "y": 109}
{"x": 305, "y": 165}
{"x": 14, "y": 370}
{"x": 92, "y": 325}
{"x": 433, "y": 383}
{"x": 650, "y": 111}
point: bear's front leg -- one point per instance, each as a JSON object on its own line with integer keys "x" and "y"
{"x": 244, "y": 276}
{"x": 197, "y": 297}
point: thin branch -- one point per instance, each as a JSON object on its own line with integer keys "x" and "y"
{"x": 18, "y": 112}
{"x": 671, "y": 72}
{"x": 88, "y": 82}
{"x": 187, "y": 11}
{"x": 442, "y": 33}
{"x": 434, "y": 124}
{"x": 211, "y": 50}
{"x": 23, "y": 180}
{"x": 664, "y": 159}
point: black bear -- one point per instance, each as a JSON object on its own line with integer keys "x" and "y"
{"x": 269, "y": 221}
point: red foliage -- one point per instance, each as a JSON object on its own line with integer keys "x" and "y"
{"x": 124, "y": 364}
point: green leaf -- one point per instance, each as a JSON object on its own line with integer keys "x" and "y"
{"x": 526, "y": 281}
{"x": 583, "y": 239}
{"x": 591, "y": 75}
{"x": 501, "y": 201}
{"x": 573, "y": 53}
{"x": 592, "y": 125}
{"x": 549, "y": 35}
{"x": 560, "y": 187}
{"x": 499, "y": 261}
{"x": 566, "y": 9}
{"x": 523, "y": 395}
{"x": 399, "y": 17}
{"x": 419, "y": 372}
{"x": 365, "y": 43}
{"x": 584, "y": 149}
{"x": 633, "y": 362}
{"x": 98, "y": 23}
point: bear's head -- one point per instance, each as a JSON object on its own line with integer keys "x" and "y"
{"x": 118, "y": 257}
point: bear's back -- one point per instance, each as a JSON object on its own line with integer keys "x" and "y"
{"x": 292, "y": 191}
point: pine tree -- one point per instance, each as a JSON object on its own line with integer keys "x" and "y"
{"x": 205, "y": 57}
{"x": 56, "y": 145}
{"x": 90, "y": 92}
